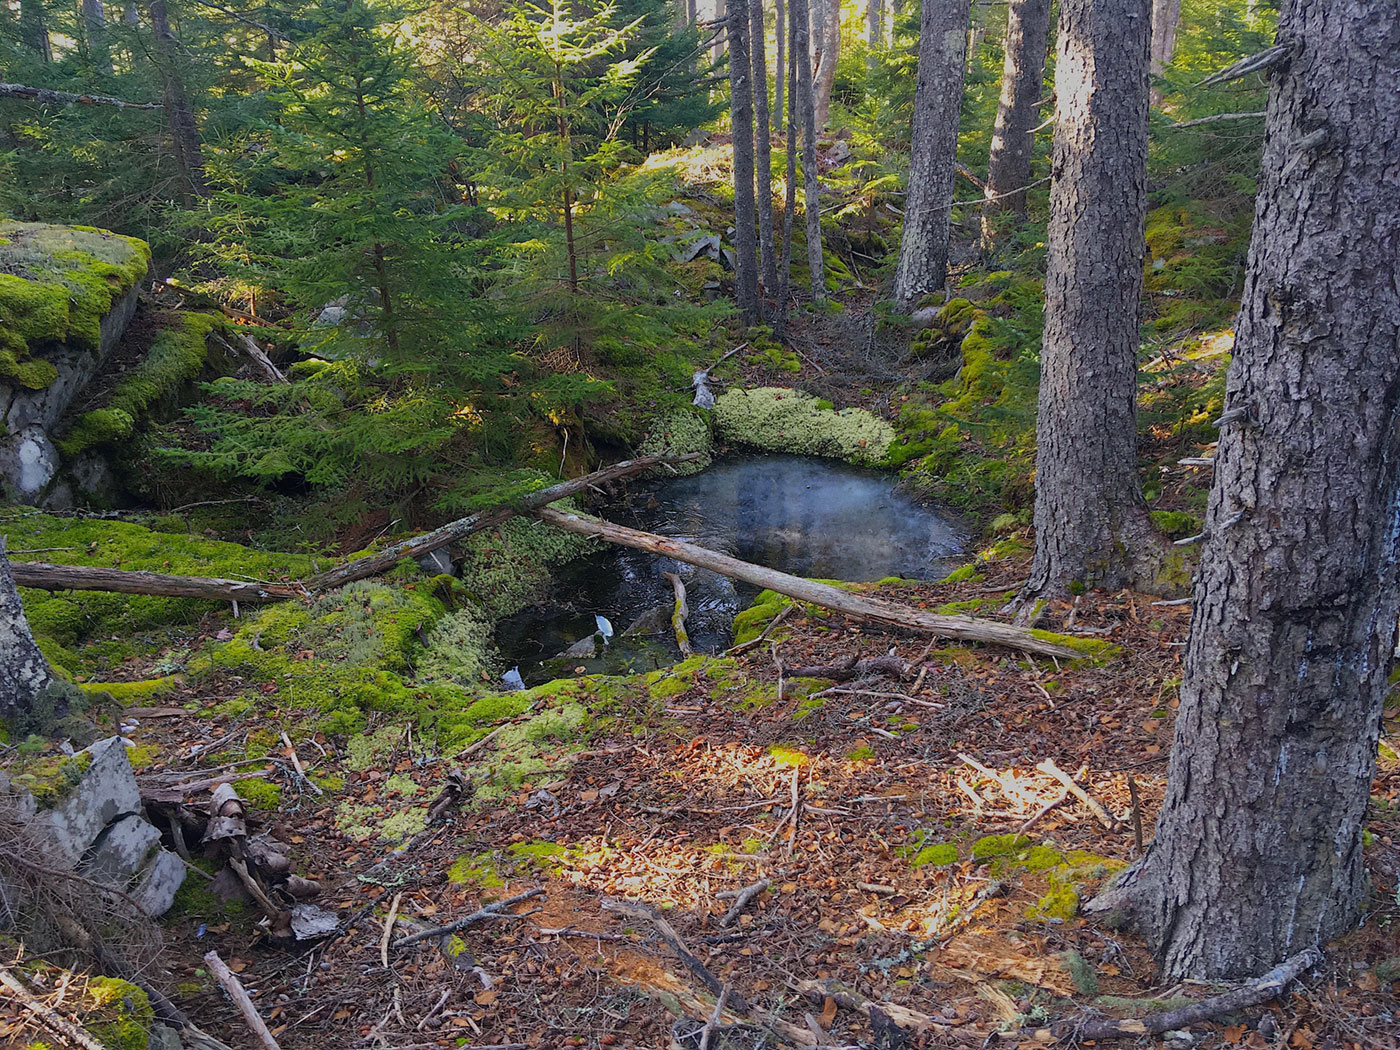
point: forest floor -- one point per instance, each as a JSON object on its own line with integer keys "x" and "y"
{"x": 922, "y": 869}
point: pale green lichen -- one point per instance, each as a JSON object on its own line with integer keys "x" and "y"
{"x": 783, "y": 420}
{"x": 676, "y": 433}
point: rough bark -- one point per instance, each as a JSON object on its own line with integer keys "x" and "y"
{"x": 745, "y": 205}
{"x": 1258, "y": 847}
{"x": 1091, "y": 522}
{"x": 763, "y": 157}
{"x": 928, "y": 202}
{"x": 24, "y": 673}
{"x": 1022, "y": 80}
{"x": 1165, "y": 16}
{"x": 95, "y": 24}
{"x": 780, "y": 62}
{"x": 790, "y": 179}
{"x": 184, "y": 129}
{"x": 800, "y": 52}
{"x": 33, "y": 31}
{"x": 828, "y": 12}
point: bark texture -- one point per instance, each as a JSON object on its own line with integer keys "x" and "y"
{"x": 928, "y": 202}
{"x": 801, "y": 54}
{"x": 745, "y": 206}
{"x": 789, "y": 183}
{"x": 874, "y": 25}
{"x": 24, "y": 673}
{"x": 779, "y": 62}
{"x": 184, "y": 129}
{"x": 827, "y": 14}
{"x": 1013, "y": 139}
{"x": 95, "y": 24}
{"x": 763, "y": 155}
{"x": 1091, "y": 522}
{"x": 1258, "y": 846}
{"x": 1165, "y": 16}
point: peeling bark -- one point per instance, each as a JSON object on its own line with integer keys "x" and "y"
{"x": 1258, "y": 847}
{"x": 1091, "y": 522}
{"x": 799, "y": 52}
{"x": 1165, "y": 16}
{"x": 827, "y": 32}
{"x": 928, "y": 203}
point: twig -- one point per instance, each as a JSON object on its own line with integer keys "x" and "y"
{"x": 1257, "y": 991}
{"x": 741, "y": 901}
{"x": 46, "y": 96}
{"x": 679, "y": 614}
{"x": 490, "y": 911}
{"x": 442, "y": 1001}
{"x": 389, "y": 930}
{"x": 1048, "y": 766}
{"x": 1042, "y": 812}
{"x": 635, "y": 910}
{"x": 1218, "y": 118}
{"x": 296, "y": 764}
{"x": 875, "y": 887}
{"x": 46, "y": 1015}
{"x": 240, "y": 998}
{"x": 1250, "y": 64}
{"x": 473, "y": 748}
{"x": 713, "y": 1022}
{"x": 796, "y": 810}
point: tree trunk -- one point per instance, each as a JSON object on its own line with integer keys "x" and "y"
{"x": 1165, "y": 16}
{"x": 828, "y": 52}
{"x": 779, "y": 74}
{"x": 95, "y": 25}
{"x": 874, "y": 25}
{"x": 717, "y": 48}
{"x": 745, "y": 207}
{"x": 131, "y": 13}
{"x": 1258, "y": 846}
{"x": 763, "y": 160}
{"x": 184, "y": 129}
{"x": 790, "y": 179}
{"x": 800, "y": 51}
{"x": 24, "y": 673}
{"x": 1022, "y": 79}
{"x": 33, "y": 31}
{"x": 1091, "y": 523}
{"x": 928, "y": 201}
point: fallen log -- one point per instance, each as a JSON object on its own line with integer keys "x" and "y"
{"x": 383, "y": 561}
{"x": 856, "y": 606}
{"x": 679, "y": 614}
{"x": 848, "y": 998}
{"x": 241, "y": 1000}
{"x": 853, "y": 668}
{"x": 46, "y": 577}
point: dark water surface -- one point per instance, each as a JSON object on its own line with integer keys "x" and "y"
{"x": 810, "y": 517}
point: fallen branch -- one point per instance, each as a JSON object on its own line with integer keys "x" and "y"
{"x": 679, "y": 614}
{"x": 1048, "y": 766}
{"x": 1218, "y": 118}
{"x": 742, "y": 899}
{"x": 241, "y": 999}
{"x": 856, "y": 606}
{"x": 489, "y": 911}
{"x": 1249, "y": 64}
{"x": 49, "y": 97}
{"x": 296, "y": 764}
{"x": 756, "y": 642}
{"x": 847, "y": 997}
{"x": 853, "y": 668}
{"x": 1043, "y": 812}
{"x": 46, "y": 577}
{"x": 46, "y": 1015}
{"x": 179, "y": 792}
{"x": 1260, "y": 990}
{"x": 668, "y": 933}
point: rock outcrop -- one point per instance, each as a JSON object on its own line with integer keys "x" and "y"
{"x": 66, "y": 295}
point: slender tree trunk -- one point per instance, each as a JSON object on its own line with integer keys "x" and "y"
{"x": 33, "y": 30}
{"x": 763, "y": 159}
{"x": 779, "y": 74}
{"x": 24, "y": 673}
{"x": 690, "y": 12}
{"x": 928, "y": 201}
{"x": 789, "y": 182}
{"x": 1022, "y": 79}
{"x": 745, "y": 217}
{"x": 1091, "y": 521}
{"x": 717, "y": 48}
{"x": 829, "y": 51}
{"x": 95, "y": 24}
{"x": 184, "y": 130}
{"x": 1165, "y": 16}
{"x": 1258, "y": 847}
{"x": 874, "y": 25}
{"x": 567, "y": 193}
{"x": 800, "y": 52}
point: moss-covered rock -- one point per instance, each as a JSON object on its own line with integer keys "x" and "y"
{"x": 119, "y": 1013}
{"x": 783, "y": 420}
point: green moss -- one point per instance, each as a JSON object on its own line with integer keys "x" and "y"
{"x": 940, "y": 854}
{"x": 783, "y": 420}
{"x": 1041, "y": 858}
{"x": 1095, "y": 650}
{"x": 261, "y": 794}
{"x": 999, "y": 846}
{"x": 1062, "y": 902}
{"x": 507, "y": 568}
{"x": 750, "y": 622}
{"x": 142, "y": 755}
{"x": 1176, "y": 524}
{"x": 678, "y": 432}
{"x": 863, "y": 754}
{"x": 131, "y": 694}
{"x": 1086, "y": 980}
{"x": 365, "y": 822}
{"x": 536, "y": 854}
{"x": 961, "y": 574}
{"x": 121, "y": 1015}
{"x": 478, "y": 871}
{"x": 51, "y": 779}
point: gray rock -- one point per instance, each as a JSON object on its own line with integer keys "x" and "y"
{"x": 120, "y": 851}
{"x": 163, "y": 1037}
{"x": 106, "y": 792}
{"x": 437, "y": 562}
{"x": 28, "y": 461}
{"x": 310, "y": 922}
{"x": 656, "y": 620}
{"x": 158, "y": 882}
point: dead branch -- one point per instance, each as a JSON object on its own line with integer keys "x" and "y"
{"x": 1218, "y": 118}
{"x": 741, "y": 901}
{"x": 635, "y": 910}
{"x": 850, "y": 999}
{"x": 1249, "y": 64}
{"x": 489, "y": 911}
{"x": 756, "y": 642}
{"x": 49, "y": 97}
{"x": 296, "y": 764}
{"x": 853, "y": 668}
{"x": 46, "y": 1015}
{"x": 679, "y": 614}
{"x": 1048, "y": 766}
{"x": 856, "y": 606}
{"x": 179, "y": 792}
{"x": 1044, "y": 811}
{"x": 46, "y": 577}
{"x": 1260, "y": 990}
{"x": 241, "y": 1000}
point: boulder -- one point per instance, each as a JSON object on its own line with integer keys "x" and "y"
{"x": 104, "y": 794}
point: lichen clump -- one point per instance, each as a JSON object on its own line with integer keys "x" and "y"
{"x": 676, "y": 433}
{"x": 783, "y": 420}
{"x": 56, "y": 284}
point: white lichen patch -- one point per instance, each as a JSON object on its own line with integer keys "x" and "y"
{"x": 781, "y": 420}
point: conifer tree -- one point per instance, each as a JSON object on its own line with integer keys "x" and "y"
{"x": 745, "y": 207}
{"x": 763, "y": 156}
{"x": 800, "y": 52}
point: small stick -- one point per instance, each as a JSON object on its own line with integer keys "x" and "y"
{"x": 875, "y": 887}
{"x": 45, "y": 1015}
{"x": 778, "y": 663}
{"x": 442, "y": 1001}
{"x": 241, "y": 999}
{"x": 796, "y": 810}
{"x": 679, "y": 614}
{"x": 296, "y": 763}
{"x": 741, "y": 901}
{"x": 388, "y": 930}
{"x": 1049, "y": 767}
{"x": 490, "y": 911}
{"x": 634, "y": 910}
{"x": 1041, "y": 813}
{"x": 473, "y": 748}
{"x": 713, "y": 1022}
{"x": 772, "y": 626}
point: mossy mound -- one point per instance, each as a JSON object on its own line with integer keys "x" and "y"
{"x": 782, "y": 420}
{"x": 678, "y": 432}
{"x": 56, "y": 284}
{"x": 119, "y": 1013}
